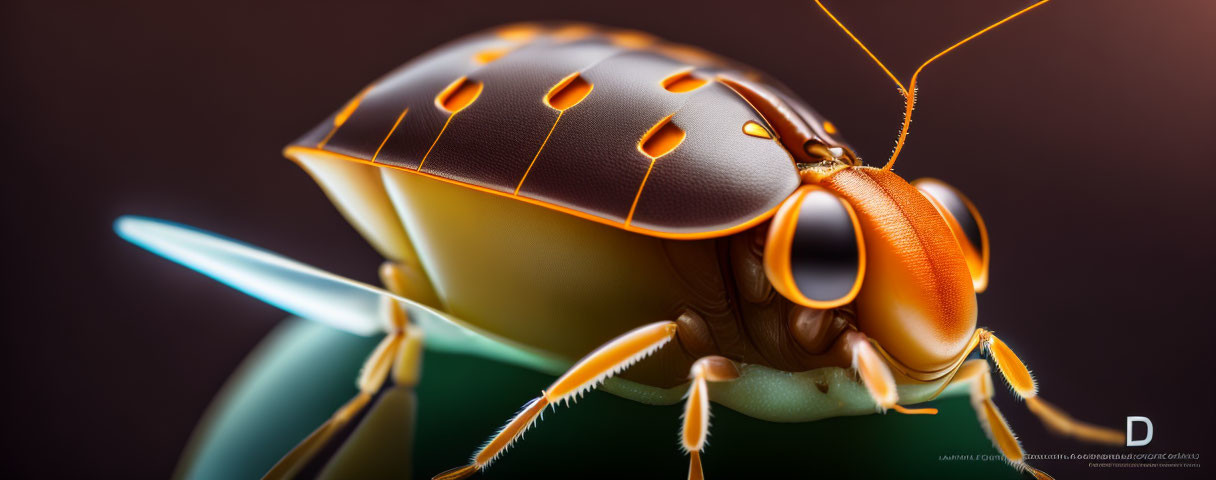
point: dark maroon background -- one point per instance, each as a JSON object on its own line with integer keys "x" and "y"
{"x": 1084, "y": 132}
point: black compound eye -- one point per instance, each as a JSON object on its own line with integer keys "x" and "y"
{"x": 965, "y": 222}
{"x": 814, "y": 254}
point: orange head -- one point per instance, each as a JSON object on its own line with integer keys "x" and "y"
{"x": 910, "y": 257}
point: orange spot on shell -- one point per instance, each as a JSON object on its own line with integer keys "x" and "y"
{"x": 568, "y": 92}
{"x": 661, "y": 139}
{"x": 573, "y": 32}
{"x": 632, "y": 39}
{"x": 754, "y": 129}
{"x": 489, "y": 55}
{"x": 683, "y": 81}
{"x": 460, "y": 94}
{"x": 830, "y": 128}
{"x": 519, "y": 32}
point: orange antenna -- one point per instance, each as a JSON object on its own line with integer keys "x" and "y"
{"x": 909, "y": 92}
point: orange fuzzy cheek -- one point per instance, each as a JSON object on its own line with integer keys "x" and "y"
{"x": 924, "y": 326}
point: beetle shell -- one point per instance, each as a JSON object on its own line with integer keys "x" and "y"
{"x": 587, "y": 159}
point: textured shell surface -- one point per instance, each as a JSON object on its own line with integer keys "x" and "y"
{"x": 504, "y": 137}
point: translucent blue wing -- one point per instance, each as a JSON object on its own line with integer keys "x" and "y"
{"x": 317, "y": 295}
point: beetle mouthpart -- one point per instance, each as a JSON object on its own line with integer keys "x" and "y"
{"x": 815, "y": 330}
{"x": 873, "y": 371}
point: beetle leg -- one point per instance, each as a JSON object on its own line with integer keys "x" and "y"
{"x": 876, "y": 376}
{"x": 976, "y": 372}
{"x": 375, "y": 371}
{"x": 1018, "y": 377}
{"x": 585, "y": 375}
{"x": 696, "y": 407}
{"x": 409, "y": 281}
{"x": 399, "y": 354}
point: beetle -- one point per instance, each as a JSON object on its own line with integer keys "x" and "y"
{"x": 544, "y": 191}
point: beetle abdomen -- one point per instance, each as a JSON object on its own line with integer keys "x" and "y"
{"x": 649, "y": 142}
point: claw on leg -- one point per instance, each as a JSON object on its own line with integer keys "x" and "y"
{"x": 694, "y": 466}
{"x": 457, "y": 473}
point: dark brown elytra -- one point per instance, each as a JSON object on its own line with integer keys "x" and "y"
{"x": 480, "y": 112}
